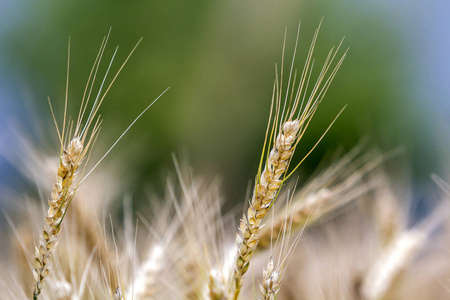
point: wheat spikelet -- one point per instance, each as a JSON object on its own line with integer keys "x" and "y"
{"x": 272, "y": 274}
{"x": 78, "y": 240}
{"x": 78, "y": 229}
{"x": 289, "y": 125}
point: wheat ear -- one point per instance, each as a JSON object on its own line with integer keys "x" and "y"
{"x": 287, "y": 128}
{"x": 72, "y": 155}
{"x": 73, "y": 152}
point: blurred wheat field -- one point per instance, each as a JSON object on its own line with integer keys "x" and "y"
{"x": 348, "y": 232}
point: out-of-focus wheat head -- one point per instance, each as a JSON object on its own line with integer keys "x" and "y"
{"x": 189, "y": 253}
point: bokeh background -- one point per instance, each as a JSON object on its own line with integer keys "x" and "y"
{"x": 218, "y": 58}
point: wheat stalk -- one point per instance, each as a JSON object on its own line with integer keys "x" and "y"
{"x": 288, "y": 126}
{"x": 72, "y": 155}
{"x": 73, "y": 151}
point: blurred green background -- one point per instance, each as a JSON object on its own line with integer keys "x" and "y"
{"x": 218, "y": 58}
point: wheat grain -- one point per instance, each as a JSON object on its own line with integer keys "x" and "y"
{"x": 266, "y": 191}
